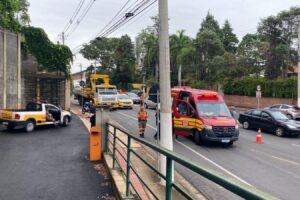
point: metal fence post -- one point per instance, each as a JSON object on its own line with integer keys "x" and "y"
{"x": 169, "y": 172}
{"x": 106, "y": 138}
{"x": 128, "y": 166}
{"x": 114, "y": 148}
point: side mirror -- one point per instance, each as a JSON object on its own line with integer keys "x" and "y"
{"x": 177, "y": 115}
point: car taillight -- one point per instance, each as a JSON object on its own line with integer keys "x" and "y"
{"x": 17, "y": 116}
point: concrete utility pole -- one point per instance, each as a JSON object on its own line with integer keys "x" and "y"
{"x": 179, "y": 75}
{"x": 63, "y": 38}
{"x": 298, "y": 60}
{"x": 166, "y": 139}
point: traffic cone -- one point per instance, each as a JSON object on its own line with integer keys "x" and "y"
{"x": 259, "y": 137}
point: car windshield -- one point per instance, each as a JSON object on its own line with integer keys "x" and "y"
{"x": 107, "y": 91}
{"x": 213, "y": 109}
{"x": 279, "y": 116}
{"x": 132, "y": 94}
{"x": 123, "y": 96}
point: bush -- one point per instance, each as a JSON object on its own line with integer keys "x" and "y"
{"x": 246, "y": 86}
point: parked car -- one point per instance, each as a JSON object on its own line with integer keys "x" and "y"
{"x": 291, "y": 111}
{"x": 137, "y": 92}
{"x": 125, "y": 101}
{"x": 135, "y": 98}
{"x": 269, "y": 120}
{"x": 149, "y": 103}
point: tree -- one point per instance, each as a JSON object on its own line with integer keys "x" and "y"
{"x": 179, "y": 43}
{"x": 280, "y": 34}
{"x": 116, "y": 56}
{"x": 210, "y": 24}
{"x": 229, "y": 39}
{"x": 14, "y": 14}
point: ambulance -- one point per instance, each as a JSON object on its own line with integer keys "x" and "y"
{"x": 204, "y": 115}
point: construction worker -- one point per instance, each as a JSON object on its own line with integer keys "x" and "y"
{"x": 142, "y": 119}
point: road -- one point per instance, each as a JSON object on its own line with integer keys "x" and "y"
{"x": 50, "y": 163}
{"x": 273, "y": 166}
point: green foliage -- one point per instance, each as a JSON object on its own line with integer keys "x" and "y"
{"x": 270, "y": 88}
{"x": 13, "y": 14}
{"x": 229, "y": 39}
{"x": 116, "y": 56}
{"x": 199, "y": 85}
{"x": 50, "y": 56}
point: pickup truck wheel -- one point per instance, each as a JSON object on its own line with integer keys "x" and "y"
{"x": 29, "y": 126}
{"x": 66, "y": 121}
{"x": 197, "y": 137}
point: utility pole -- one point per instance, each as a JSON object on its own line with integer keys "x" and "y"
{"x": 63, "y": 38}
{"x": 179, "y": 75}
{"x": 298, "y": 60}
{"x": 166, "y": 139}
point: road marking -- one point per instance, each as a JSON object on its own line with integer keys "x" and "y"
{"x": 202, "y": 156}
{"x": 215, "y": 164}
{"x": 285, "y": 160}
{"x": 296, "y": 145}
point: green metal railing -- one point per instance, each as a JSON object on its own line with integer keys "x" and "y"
{"x": 230, "y": 184}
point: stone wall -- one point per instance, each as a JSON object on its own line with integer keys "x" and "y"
{"x": 10, "y": 70}
{"x": 252, "y": 102}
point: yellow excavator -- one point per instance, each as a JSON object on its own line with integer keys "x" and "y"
{"x": 99, "y": 91}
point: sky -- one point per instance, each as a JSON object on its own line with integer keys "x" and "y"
{"x": 244, "y": 16}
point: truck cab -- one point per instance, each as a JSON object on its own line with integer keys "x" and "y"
{"x": 106, "y": 96}
{"x": 204, "y": 115}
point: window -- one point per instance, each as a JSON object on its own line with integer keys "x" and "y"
{"x": 256, "y": 112}
{"x": 275, "y": 107}
{"x": 265, "y": 115}
{"x": 285, "y": 107}
{"x": 34, "y": 107}
{"x": 213, "y": 109}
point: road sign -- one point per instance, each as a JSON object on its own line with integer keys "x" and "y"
{"x": 258, "y": 88}
{"x": 258, "y": 94}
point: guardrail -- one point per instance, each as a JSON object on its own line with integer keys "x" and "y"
{"x": 236, "y": 187}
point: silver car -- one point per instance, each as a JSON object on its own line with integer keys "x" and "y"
{"x": 149, "y": 103}
{"x": 291, "y": 111}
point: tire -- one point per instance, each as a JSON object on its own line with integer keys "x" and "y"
{"x": 246, "y": 125}
{"x": 29, "y": 126}
{"x": 83, "y": 111}
{"x": 66, "y": 121}
{"x": 146, "y": 106}
{"x": 279, "y": 132}
{"x": 289, "y": 116}
{"x": 197, "y": 137}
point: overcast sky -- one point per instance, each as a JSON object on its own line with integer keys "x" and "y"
{"x": 244, "y": 15}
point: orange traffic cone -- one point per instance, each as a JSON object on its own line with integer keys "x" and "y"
{"x": 259, "y": 137}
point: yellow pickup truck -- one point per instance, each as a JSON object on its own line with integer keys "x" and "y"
{"x": 35, "y": 114}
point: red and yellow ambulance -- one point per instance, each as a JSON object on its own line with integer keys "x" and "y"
{"x": 204, "y": 115}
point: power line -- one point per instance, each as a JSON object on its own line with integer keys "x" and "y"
{"x": 71, "y": 20}
{"x": 139, "y": 8}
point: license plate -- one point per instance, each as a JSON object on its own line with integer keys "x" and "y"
{"x": 5, "y": 123}
{"x": 225, "y": 140}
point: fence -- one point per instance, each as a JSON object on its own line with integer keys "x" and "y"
{"x": 111, "y": 140}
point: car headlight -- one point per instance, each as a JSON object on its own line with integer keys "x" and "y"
{"x": 236, "y": 126}
{"x": 207, "y": 126}
{"x": 291, "y": 126}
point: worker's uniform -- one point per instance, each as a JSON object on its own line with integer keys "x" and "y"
{"x": 142, "y": 119}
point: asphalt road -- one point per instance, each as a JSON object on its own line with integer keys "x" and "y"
{"x": 50, "y": 163}
{"x": 273, "y": 166}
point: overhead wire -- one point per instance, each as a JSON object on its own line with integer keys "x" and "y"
{"x": 135, "y": 10}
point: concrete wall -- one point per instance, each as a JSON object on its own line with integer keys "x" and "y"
{"x": 40, "y": 84}
{"x": 251, "y": 102}
{"x": 10, "y": 69}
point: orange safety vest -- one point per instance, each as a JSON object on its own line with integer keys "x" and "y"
{"x": 143, "y": 115}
